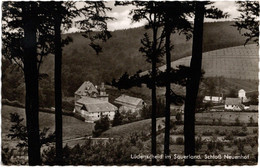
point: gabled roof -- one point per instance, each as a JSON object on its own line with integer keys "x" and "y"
{"x": 96, "y": 105}
{"x": 124, "y": 99}
{"x": 86, "y": 87}
{"x": 232, "y": 101}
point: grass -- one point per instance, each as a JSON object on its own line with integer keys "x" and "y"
{"x": 72, "y": 127}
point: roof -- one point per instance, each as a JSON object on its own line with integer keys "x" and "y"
{"x": 233, "y": 101}
{"x": 124, "y": 99}
{"x": 96, "y": 105}
{"x": 86, "y": 87}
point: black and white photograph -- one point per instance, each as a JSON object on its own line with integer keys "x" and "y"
{"x": 129, "y": 83}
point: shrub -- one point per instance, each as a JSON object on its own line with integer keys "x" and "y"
{"x": 179, "y": 117}
{"x": 229, "y": 137}
{"x": 207, "y": 133}
{"x": 198, "y": 143}
{"x": 179, "y": 141}
{"x": 244, "y": 128}
{"x": 216, "y": 131}
{"x": 219, "y": 121}
{"x": 222, "y": 133}
{"x": 237, "y": 121}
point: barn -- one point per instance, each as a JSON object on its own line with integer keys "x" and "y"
{"x": 129, "y": 103}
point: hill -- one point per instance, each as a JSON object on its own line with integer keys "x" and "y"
{"x": 121, "y": 54}
{"x": 72, "y": 127}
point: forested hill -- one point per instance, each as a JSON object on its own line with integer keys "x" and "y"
{"x": 121, "y": 54}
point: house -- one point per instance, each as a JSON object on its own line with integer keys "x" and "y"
{"x": 234, "y": 104}
{"x": 87, "y": 89}
{"x": 213, "y": 99}
{"x": 128, "y": 103}
{"x": 92, "y": 109}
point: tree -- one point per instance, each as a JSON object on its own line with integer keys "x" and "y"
{"x": 248, "y": 20}
{"x": 34, "y": 22}
{"x": 152, "y": 49}
{"x": 174, "y": 19}
{"x": 195, "y": 76}
{"x": 117, "y": 119}
{"x": 101, "y": 125}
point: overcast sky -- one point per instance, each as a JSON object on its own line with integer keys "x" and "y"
{"x": 123, "y": 20}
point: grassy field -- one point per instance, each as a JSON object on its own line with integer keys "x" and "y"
{"x": 72, "y": 127}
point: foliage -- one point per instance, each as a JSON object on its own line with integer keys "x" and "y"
{"x": 101, "y": 125}
{"x": 117, "y": 119}
{"x": 198, "y": 143}
{"x": 160, "y": 109}
{"x": 19, "y": 131}
{"x": 248, "y": 20}
{"x": 179, "y": 117}
{"x": 179, "y": 141}
{"x": 108, "y": 152}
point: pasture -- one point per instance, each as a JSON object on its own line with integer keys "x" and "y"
{"x": 72, "y": 127}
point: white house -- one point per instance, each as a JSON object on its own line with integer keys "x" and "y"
{"x": 93, "y": 109}
{"x": 234, "y": 104}
{"x": 213, "y": 99}
{"x": 128, "y": 103}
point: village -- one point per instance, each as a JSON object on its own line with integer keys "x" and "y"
{"x": 92, "y": 103}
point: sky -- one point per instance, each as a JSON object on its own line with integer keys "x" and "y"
{"x": 123, "y": 19}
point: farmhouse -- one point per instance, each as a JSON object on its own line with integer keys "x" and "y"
{"x": 234, "y": 104}
{"x": 87, "y": 89}
{"x": 213, "y": 99}
{"x": 93, "y": 109}
{"x": 128, "y": 103}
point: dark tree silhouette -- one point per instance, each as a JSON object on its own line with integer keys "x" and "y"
{"x": 248, "y": 20}
{"x": 152, "y": 49}
{"x": 57, "y": 76}
{"x": 174, "y": 20}
{"x": 195, "y": 76}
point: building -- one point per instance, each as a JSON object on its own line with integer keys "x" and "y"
{"x": 93, "y": 109}
{"x": 242, "y": 95}
{"x": 213, "y": 99}
{"x": 234, "y": 104}
{"x": 128, "y": 103}
{"x": 89, "y": 90}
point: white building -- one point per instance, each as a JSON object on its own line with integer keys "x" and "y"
{"x": 93, "y": 109}
{"x": 242, "y": 95}
{"x": 213, "y": 99}
{"x": 234, "y": 104}
{"x": 129, "y": 103}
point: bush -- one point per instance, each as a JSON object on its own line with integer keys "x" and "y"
{"x": 198, "y": 143}
{"x": 237, "y": 121}
{"x": 222, "y": 133}
{"x": 255, "y": 131}
{"x": 207, "y": 133}
{"x": 244, "y": 128}
{"x": 179, "y": 141}
{"x": 229, "y": 137}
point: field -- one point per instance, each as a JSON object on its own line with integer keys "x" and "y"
{"x": 72, "y": 127}
{"x": 239, "y": 62}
